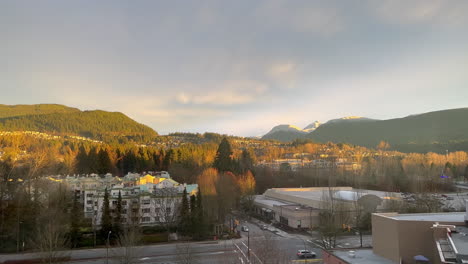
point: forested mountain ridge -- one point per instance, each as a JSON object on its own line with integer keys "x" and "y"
{"x": 428, "y": 132}
{"x": 62, "y": 120}
{"x": 36, "y": 109}
{"x": 433, "y": 131}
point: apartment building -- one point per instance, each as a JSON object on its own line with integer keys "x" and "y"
{"x": 146, "y": 199}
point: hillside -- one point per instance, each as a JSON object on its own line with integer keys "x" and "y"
{"x": 38, "y": 109}
{"x": 433, "y": 131}
{"x": 57, "y": 119}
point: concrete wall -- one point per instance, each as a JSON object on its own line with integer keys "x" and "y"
{"x": 307, "y": 217}
{"x": 416, "y": 238}
{"x": 385, "y": 236}
{"x": 395, "y": 239}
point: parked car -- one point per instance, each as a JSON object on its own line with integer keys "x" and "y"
{"x": 264, "y": 227}
{"x": 245, "y": 229}
{"x": 304, "y": 253}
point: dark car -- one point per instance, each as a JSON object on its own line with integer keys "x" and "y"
{"x": 245, "y": 229}
{"x": 304, "y": 253}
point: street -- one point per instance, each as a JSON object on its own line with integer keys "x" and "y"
{"x": 266, "y": 246}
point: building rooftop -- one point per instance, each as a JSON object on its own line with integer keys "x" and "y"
{"x": 431, "y": 217}
{"x": 460, "y": 240}
{"x": 361, "y": 256}
{"x": 266, "y": 202}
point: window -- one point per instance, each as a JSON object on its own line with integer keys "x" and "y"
{"x": 124, "y": 202}
{"x": 89, "y": 209}
{"x": 89, "y": 195}
{"x": 114, "y": 202}
{"x": 146, "y": 201}
{"x": 146, "y": 210}
{"x": 168, "y": 210}
{"x": 124, "y": 211}
{"x": 146, "y": 219}
{"x": 89, "y": 202}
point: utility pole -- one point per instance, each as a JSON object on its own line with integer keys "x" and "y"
{"x": 107, "y": 247}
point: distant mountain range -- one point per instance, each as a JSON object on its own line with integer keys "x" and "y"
{"x": 63, "y": 120}
{"x": 433, "y": 131}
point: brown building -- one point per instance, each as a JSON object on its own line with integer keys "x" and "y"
{"x": 411, "y": 238}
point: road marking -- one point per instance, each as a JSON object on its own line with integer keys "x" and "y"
{"x": 306, "y": 260}
{"x": 241, "y": 251}
{"x": 255, "y": 255}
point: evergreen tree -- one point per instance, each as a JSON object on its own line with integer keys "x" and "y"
{"x": 82, "y": 161}
{"x": 246, "y": 161}
{"x": 106, "y": 219}
{"x": 184, "y": 214}
{"x": 223, "y": 160}
{"x": 193, "y": 215}
{"x": 75, "y": 222}
{"x": 200, "y": 217}
{"x": 118, "y": 216}
{"x": 93, "y": 160}
{"x": 104, "y": 164}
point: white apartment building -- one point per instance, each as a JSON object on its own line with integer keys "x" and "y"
{"x": 146, "y": 200}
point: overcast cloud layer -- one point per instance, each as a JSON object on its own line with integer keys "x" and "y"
{"x": 236, "y": 67}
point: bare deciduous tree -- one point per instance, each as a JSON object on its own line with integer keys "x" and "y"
{"x": 127, "y": 242}
{"x": 167, "y": 207}
{"x": 265, "y": 249}
{"x": 185, "y": 253}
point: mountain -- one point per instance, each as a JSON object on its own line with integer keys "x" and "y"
{"x": 433, "y": 131}
{"x": 350, "y": 119}
{"x": 63, "y": 120}
{"x": 312, "y": 127}
{"x": 38, "y": 109}
{"x": 285, "y": 133}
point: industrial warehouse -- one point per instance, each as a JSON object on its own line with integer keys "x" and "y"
{"x": 300, "y": 207}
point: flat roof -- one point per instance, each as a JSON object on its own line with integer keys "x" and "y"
{"x": 362, "y": 256}
{"x": 260, "y": 199}
{"x": 460, "y": 240}
{"x": 432, "y": 217}
{"x": 319, "y": 193}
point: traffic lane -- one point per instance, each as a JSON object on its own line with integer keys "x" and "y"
{"x": 168, "y": 254}
{"x": 291, "y": 245}
{"x": 207, "y": 257}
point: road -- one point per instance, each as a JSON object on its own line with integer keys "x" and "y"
{"x": 284, "y": 246}
{"x": 264, "y": 244}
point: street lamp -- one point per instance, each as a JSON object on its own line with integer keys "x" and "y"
{"x": 107, "y": 247}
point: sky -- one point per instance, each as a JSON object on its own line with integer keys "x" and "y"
{"x": 236, "y": 67}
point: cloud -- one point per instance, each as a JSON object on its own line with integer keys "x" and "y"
{"x": 312, "y": 17}
{"x": 234, "y": 92}
{"x": 404, "y": 12}
{"x": 283, "y": 74}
